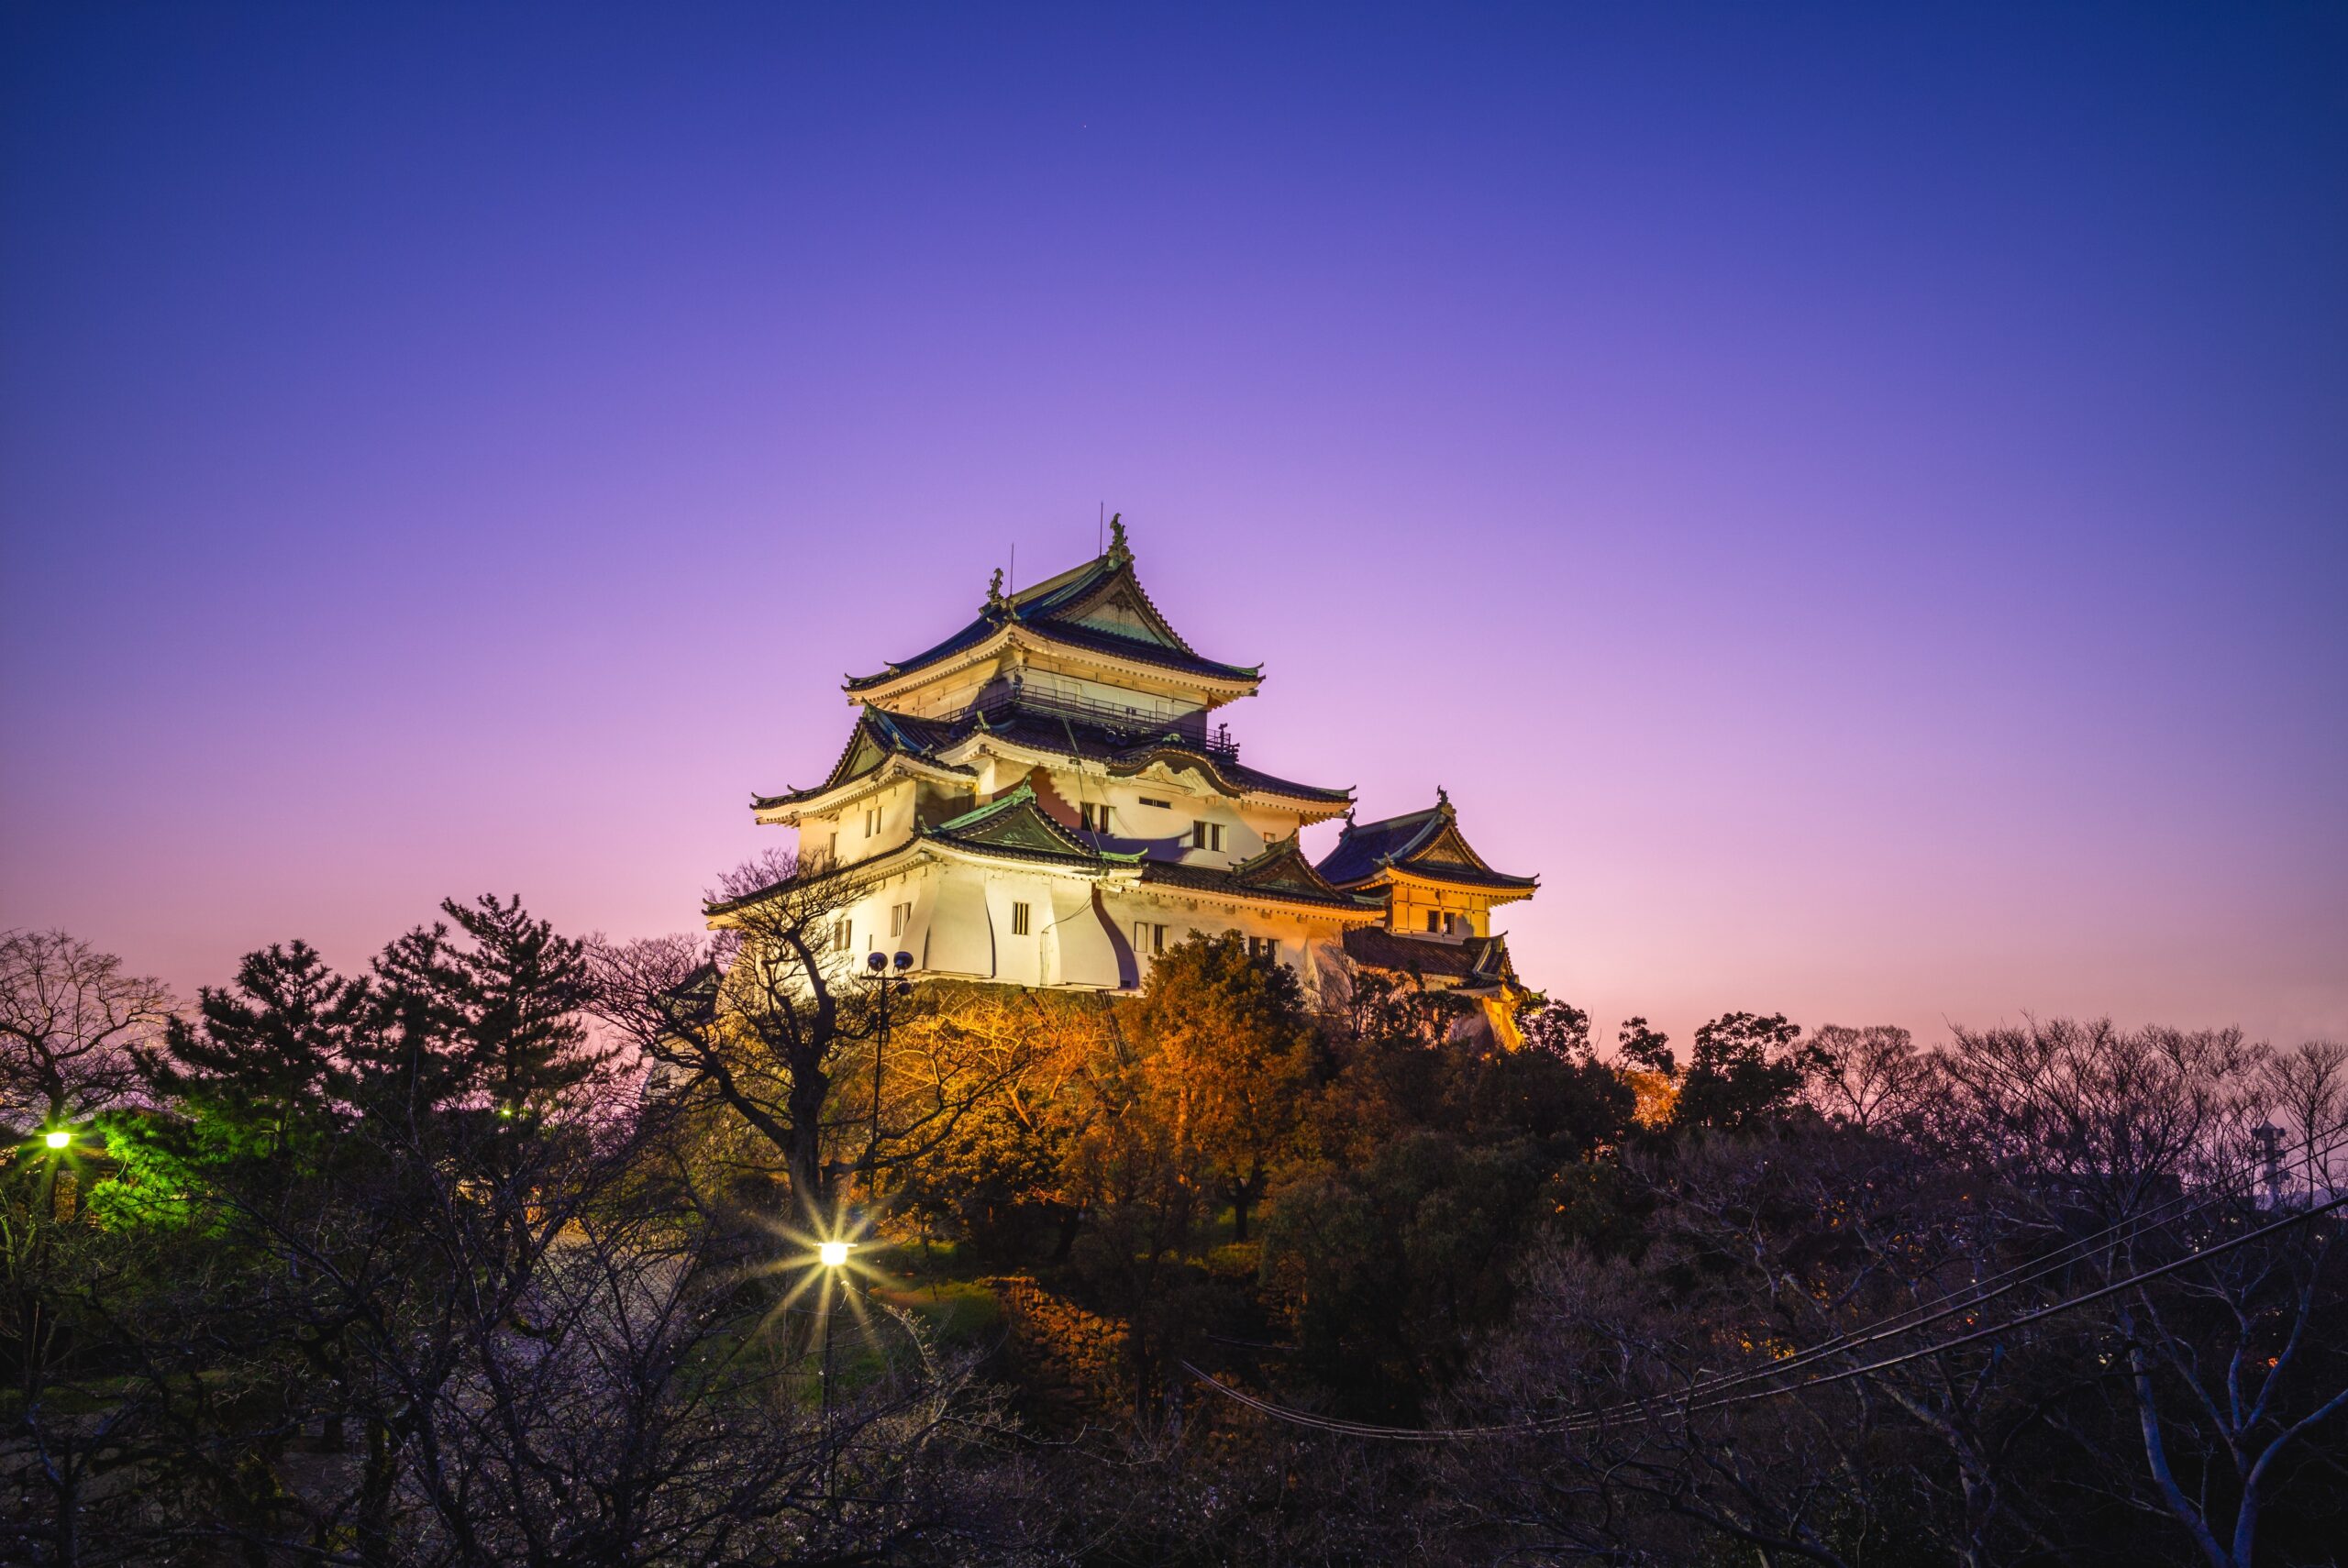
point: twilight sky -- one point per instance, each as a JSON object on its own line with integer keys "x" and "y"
{"x": 1856, "y": 497}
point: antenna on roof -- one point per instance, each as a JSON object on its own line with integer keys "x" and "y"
{"x": 1014, "y": 565}
{"x": 1100, "y": 527}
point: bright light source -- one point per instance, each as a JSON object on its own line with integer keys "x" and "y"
{"x": 834, "y": 1253}
{"x": 57, "y": 1140}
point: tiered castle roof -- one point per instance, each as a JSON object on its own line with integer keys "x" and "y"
{"x": 1427, "y": 844}
{"x": 1097, "y": 609}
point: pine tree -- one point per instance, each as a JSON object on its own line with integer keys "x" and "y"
{"x": 487, "y": 1023}
{"x": 260, "y": 1075}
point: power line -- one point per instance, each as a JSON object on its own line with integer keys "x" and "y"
{"x": 1980, "y": 1292}
{"x": 1689, "y": 1402}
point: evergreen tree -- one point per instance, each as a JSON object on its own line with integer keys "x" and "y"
{"x": 258, "y": 1076}
{"x": 1744, "y": 1066}
{"x": 486, "y": 1025}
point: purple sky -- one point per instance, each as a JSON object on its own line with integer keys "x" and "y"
{"x": 1856, "y": 497}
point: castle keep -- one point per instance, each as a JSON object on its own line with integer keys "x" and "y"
{"x": 1048, "y": 798}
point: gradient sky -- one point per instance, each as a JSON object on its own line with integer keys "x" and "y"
{"x": 1856, "y": 497}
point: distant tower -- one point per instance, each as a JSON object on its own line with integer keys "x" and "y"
{"x": 2269, "y": 1139}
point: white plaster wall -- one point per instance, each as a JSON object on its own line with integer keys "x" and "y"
{"x": 1077, "y": 948}
{"x": 816, "y": 839}
{"x": 1303, "y": 938}
{"x": 960, "y": 934}
{"x": 896, "y": 806}
{"x": 1018, "y": 960}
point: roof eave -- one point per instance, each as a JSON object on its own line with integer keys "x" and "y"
{"x": 895, "y": 680}
{"x": 788, "y": 808}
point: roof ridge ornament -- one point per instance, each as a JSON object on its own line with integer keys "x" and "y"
{"x": 996, "y": 602}
{"x": 1442, "y": 802}
{"x": 1119, "y": 553}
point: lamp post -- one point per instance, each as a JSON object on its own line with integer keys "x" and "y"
{"x": 885, "y": 984}
{"x": 833, "y": 1255}
{"x": 58, "y": 1140}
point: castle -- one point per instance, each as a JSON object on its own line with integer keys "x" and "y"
{"x": 1047, "y": 799}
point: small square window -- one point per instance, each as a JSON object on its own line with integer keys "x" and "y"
{"x": 1161, "y": 805}
{"x": 1148, "y": 938}
{"x": 1434, "y": 921}
{"x": 1206, "y": 835}
{"x": 1096, "y": 817}
{"x": 1019, "y": 919}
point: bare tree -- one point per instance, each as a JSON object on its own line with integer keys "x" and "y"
{"x": 773, "y": 1019}
{"x": 2223, "y": 1367}
{"x": 69, "y": 1020}
{"x": 2309, "y": 1100}
{"x": 1872, "y": 1077}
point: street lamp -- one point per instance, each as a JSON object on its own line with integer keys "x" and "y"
{"x": 834, "y": 1257}
{"x": 884, "y": 982}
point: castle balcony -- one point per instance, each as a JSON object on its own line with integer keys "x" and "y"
{"x": 1131, "y": 722}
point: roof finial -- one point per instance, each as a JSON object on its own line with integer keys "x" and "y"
{"x": 994, "y": 590}
{"x": 1119, "y": 553}
{"x": 1442, "y": 801}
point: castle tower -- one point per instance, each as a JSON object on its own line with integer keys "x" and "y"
{"x": 1437, "y": 895}
{"x": 1040, "y": 800}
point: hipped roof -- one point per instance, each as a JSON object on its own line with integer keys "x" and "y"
{"x": 1426, "y": 844}
{"x": 1053, "y": 611}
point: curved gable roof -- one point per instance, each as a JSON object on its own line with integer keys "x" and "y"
{"x": 878, "y": 735}
{"x": 1015, "y": 824}
{"x": 1425, "y": 844}
{"x": 1098, "y": 607}
{"x": 1279, "y": 873}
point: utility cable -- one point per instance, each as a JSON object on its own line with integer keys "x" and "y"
{"x": 1697, "y": 1397}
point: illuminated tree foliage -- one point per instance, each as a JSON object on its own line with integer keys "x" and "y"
{"x": 426, "y": 1265}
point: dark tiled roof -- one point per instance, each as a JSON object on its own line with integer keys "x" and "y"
{"x": 897, "y": 733}
{"x": 890, "y": 734}
{"x": 1425, "y": 844}
{"x": 1279, "y": 873}
{"x": 1046, "y": 609}
{"x": 1048, "y": 731}
{"x": 1235, "y": 778}
{"x": 1015, "y": 824}
{"x": 1478, "y": 960}
{"x": 1104, "y": 642}
{"x": 1466, "y": 876}
{"x": 1363, "y": 846}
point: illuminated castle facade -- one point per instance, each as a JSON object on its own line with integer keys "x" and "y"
{"x": 1047, "y": 797}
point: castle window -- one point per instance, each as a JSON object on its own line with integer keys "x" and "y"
{"x": 1161, "y": 805}
{"x": 1019, "y": 919}
{"x": 843, "y": 934}
{"x": 1434, "y": 921}
{"x": 871, "y": 821}
{"x": 1265, "y": 947}
{"x": 900, "y": 918}
{"x": 1096, "y": 818}
{"x": 1206, "y": 835}
{"x": 1148, "y": 938}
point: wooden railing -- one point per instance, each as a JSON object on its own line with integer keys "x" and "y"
{"x": 1135, "y": 722}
